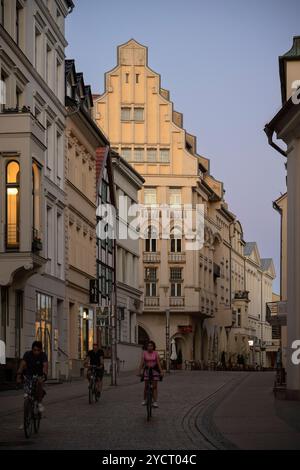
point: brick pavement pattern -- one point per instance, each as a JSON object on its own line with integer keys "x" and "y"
{"x": 198, "y": 410}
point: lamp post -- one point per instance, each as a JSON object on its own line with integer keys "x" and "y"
{"x": 251, "y": 343}
{"x": 168, "y": 341}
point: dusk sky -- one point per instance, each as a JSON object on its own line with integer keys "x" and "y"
{"x": 219, "y": 59}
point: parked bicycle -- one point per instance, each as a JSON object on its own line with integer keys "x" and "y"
{"x": 32, "y": 415}
{"x": 94, "y": 394}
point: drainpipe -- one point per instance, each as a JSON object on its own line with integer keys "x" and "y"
{"x": 230, "y": 263}
{"x": 261, "y": 317}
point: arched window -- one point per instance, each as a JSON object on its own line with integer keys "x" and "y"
{"x": 12, "y": 204}
{"x": 35, "y": 200}
{"x": 176, "y": 240}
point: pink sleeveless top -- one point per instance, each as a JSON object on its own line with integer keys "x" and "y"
{"x": 150, "y": 359}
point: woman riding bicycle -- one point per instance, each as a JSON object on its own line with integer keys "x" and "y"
{"x": 150, "y": 360}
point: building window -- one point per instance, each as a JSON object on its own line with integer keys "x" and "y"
{"x": 138, "y": 114}
{"x": 3, "y": 89}
{"x": 18, "y": 22}
{"x": 109, "y": 282}
{"x": 139, "y": 154}
{"x": 150, "y": 196}
{"x": 176, "y": 280}
{"x": 38, "y": 43}
{"x": 126, "y": 77}
{"x": 12, "y": 204}
{"x": 176, "y": 274}
{"x": 137, "y": 78}
{"x": 126, "y": 153}
{"x": 43, "y": 322}
{"x": 104, "y": 192}
{"x": 60, "y": 244}
{"x": 164, "y": 155}
{"x": 59, "y": 156}
{"x": 150, "y": 242}
{"x": 125, "y": 114}
{"x": 2, "y": 12}
{"x": 175, "y": 197}
{"x": 49, "y": 66}
{"x": 69, "y": 89}
{"x": 49, "y": 233}
{"x": 49, "y": 145}
{"x": 175, "y": 244}
{"x": 103, "y": 281}
{"x": 59, "y": 79}
{"x": 151, "y": 155}
{"x": 151, "y": 281}
{"x": 36, "y": 203}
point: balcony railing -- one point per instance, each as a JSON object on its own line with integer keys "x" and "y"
{"x": 241, "y": 295}
{"x": 12, "y": 236}
{"x": 14, "y": 110}
{"x": 177, "y": 258}
{"x": 151, "y": 301}
{"x": 176, "y": 301}
{"x": 151, "y": 257}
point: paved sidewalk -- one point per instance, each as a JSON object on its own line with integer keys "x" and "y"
{"x": 11, "y": 400}
{"x": 251, "y": 418}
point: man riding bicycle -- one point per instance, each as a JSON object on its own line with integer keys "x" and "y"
{"x": 35, "y": 362}
{"x": 95, "y": 358}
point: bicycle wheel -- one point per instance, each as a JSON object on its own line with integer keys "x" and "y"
{"x": 36, "y": 418}
{"x": 27, "y": 418}
{"x": 97, "y": 396}
{"x": 90, "y": 393}
{"x": 149, "y": 402}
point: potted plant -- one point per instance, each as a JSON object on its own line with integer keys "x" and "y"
{"x": 179, "y": 359}
{"x": 37, "y": 244}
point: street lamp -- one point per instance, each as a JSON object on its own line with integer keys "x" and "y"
{"x": 251, "y": 343}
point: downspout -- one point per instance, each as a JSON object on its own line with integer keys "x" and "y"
{"x": 230, "y": 263}
{"x": 261, "y": 316}
{"x": 279, "y": 210}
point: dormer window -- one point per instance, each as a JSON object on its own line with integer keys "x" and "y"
{"x": 69, "y": 89}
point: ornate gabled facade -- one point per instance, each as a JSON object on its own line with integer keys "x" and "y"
{"x": 196, "y": 287}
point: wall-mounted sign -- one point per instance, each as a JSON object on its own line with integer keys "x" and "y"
{"x": 94, "y": 291}
{"x": 185, "y": 329}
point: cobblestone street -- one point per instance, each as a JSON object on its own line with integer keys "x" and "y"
{"x": 198, "y": 410}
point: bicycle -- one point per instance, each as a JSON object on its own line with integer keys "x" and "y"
{"x": 94, "y": 395}
{"x": 32, "y": 415}
{"x": 149, "y": 392}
